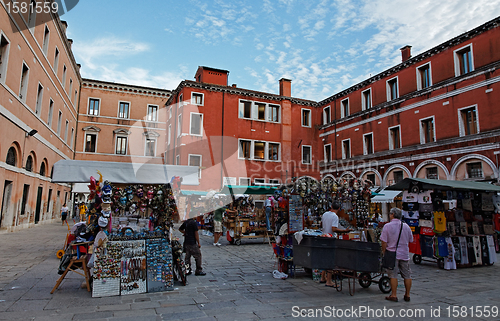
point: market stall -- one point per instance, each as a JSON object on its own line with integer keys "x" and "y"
{"x": 133, "y": 220}
{"x": 455, "y": 223}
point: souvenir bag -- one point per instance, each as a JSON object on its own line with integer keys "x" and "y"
{"x": 389, "y": 259}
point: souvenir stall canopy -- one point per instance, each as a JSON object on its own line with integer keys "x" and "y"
{"x": 454, "y": 223}
{"x": 382, "y": 201}
{"x": 251, "y": 190}
{"x": 75, "y": 171}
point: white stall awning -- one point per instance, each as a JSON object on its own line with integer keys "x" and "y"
{"x": 76, "y": 171}
{"x": 385, "y": 196}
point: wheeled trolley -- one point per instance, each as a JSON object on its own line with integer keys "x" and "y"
{"x": 245, "y": 228}
{"x": 350, "y": 260}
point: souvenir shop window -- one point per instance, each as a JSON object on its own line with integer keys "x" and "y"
{"x": 327, "y": 118}
{"x": 196, "y": 126}
{"x": 344, "y": 110}
{"x": 306, "y": 154}
{"x": 197, "y": 99}
{"x": 328, "y": 153}
{"x": 244, "y": 148}
{"x": 368, "y": 144}
{"x": 123, "y": 109}
{"x": 150, "y": 147}
{"x": 306, "y": 118}
{"x": 394, "y": 137}
{"x": 152, "y": 113}
{"x": 346, "y": 149}
{"x": 431, "y": 172}
{"x": 259, "y": 150}
{"x": 468, "y": 121}
{"x": 121, "y": 145}
{"x": 474, "y": 170}
{"x": 274, "y": 151}
{"x": 427, "y": 131}
{"x": 245, "y": 109}
{"x": 274, "y": 113}
{"x": 94, "y": 107}
{"x": 195, "y": 160}
{"x": 90, "y": 143}
{"x": 464, "y": 62}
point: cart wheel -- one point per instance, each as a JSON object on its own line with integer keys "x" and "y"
{"x": 237, "y": 241}
{"x": 60, "y": 254}
{"x": 384, "y": 284}
{"x": 365, "y": 279}
{"x": 417, "y": 258}
{"x": 440, "y": 263}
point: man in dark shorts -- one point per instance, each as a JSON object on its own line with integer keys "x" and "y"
{"x": 192, "y": 244}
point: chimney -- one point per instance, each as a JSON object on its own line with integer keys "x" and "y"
{"x": 285, "y": 87}
{"x": 64, "y": 26}
{"x": 233, "y": 85}
{"x": 406, "y": 53}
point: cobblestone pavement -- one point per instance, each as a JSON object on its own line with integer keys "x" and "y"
{"x": 238, "y": 286}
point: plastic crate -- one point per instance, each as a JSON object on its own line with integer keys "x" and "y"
{"x": 329, "y": 253}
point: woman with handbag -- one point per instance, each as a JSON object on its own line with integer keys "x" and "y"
{"x": 396, "y": 237}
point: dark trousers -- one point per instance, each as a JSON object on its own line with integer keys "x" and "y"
{"x": 193, "y": 250}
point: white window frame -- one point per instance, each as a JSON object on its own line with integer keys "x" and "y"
{"x": 178, "y": 160}
{"x": 148, "y": 117}
{"x": 46, "y": 39}
{"x": 191, "y": 121}
{"x": 193, "y": 98}
{"x": 269, "y": 109}
{"x": 265, "y": 150}
{"x": 363, "y": 100}
{"x": 456, "y": 59}
{"x": 391, "y": 145}
{"x": 126, "y": 145}
{"x": 302, "y": 155}
{"x": 325, "y": 153}
{"x": 344, "y": 156}
{"x": 181, "y": 103}
{"x": 388, "y": 88}
{"x": 467, "y": 172}
{"x": 146, "y": 138}
{"x": 118, "y": 111}
{"x": 59, "y": 122}
{"x": 66, "y": 128}
{"x": 263, "y": 181}
{"x": 56, "y": 60}
{"x": 64, "y": 75}
{"x": 302, "y": 117}
{"x": 85, "y": 140}
{"x": 228, "y": 181}
{"x": 170, "y": 112}
{"x": 342, "y": 112}
{"x": 239, "y": 148}
{"x": 268, "y": 158}
{"x": 5, "y": 58}
{"x": 249, "y": 180}
{"x": 169, "y": 134}
{"x": 419, "y": 75}
{"x": 327, "y": 111}
{"x": 461, "y": 125}
{"x": 274, "y": 181}
{"x": 241, "y": 109}
{"x": 72, "y": 137}
{"x": 421, "y": 130}
{"x": 201, "y": 163}
{"x": 88, "y": 107}
{"x": 255, "y": 111}
{"x": 39, "y": 99}
{"x": 179, "y": 125}
{"x": 365, "y": 147}
{"x": 51, "y": 112}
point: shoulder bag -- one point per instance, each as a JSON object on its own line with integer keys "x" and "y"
{"x": 389, "y": 259}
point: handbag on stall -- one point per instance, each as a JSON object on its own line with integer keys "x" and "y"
{"x": 389, "y": 259}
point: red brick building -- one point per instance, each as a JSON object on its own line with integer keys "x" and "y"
{"x": 434, "y": 115}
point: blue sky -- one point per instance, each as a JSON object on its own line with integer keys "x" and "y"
{"x": 322, "y": 46}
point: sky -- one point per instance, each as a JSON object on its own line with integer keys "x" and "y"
{"x": 323, "y": 46}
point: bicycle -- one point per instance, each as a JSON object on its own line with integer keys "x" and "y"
{"x": 179, "y": 265}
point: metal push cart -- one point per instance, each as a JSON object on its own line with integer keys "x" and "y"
{"x": 351, "y": 260}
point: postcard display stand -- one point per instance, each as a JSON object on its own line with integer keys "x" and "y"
{"x": 133, "y": 266}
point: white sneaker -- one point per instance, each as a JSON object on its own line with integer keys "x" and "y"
{"x": 215, "y": 244}
{"x": 218, "y": 244}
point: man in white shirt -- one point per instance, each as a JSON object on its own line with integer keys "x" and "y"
{"x": 330, "y": 225}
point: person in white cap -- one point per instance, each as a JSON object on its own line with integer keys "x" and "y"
{"x": 101, "y": 237}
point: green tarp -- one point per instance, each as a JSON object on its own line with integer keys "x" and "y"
{"x": 428, "y": 184}
{"x": 254, "y": 190}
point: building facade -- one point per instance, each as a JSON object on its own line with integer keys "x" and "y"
{"x": 39, "y": 89}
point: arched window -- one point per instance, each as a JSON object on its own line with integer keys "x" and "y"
{"x": 11, "y": 157}
{"x": 29, "y": 164}
{"x": 42, "y": 169}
